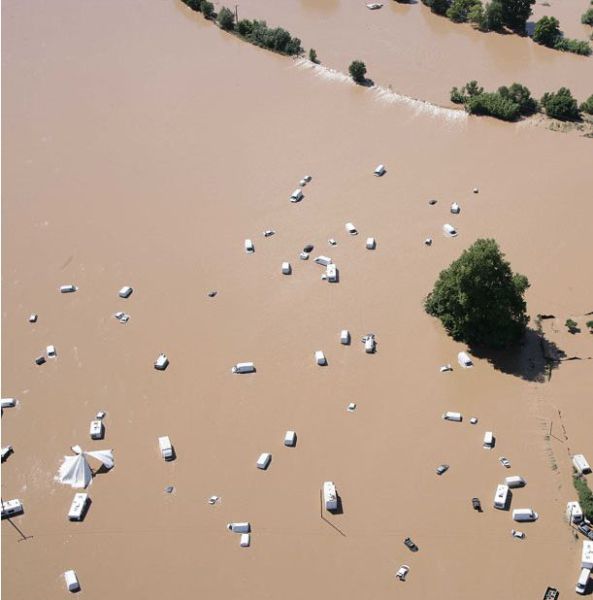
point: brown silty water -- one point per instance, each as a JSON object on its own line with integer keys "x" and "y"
{"x": 142, "y": 146}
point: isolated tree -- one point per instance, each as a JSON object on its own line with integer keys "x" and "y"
{"x": 358, "y": 71}
{"x": 547, "y": 31}
{"x": 313, "y": 56}
{"x": 561, "y": 105}
{"x": 587, "y": 106}
{"x": 521, "y": 96}
{"x": 226, "y": 18}
{"x": 478, "y": 298}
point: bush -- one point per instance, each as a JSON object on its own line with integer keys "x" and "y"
{"x": 358, "y": 71}
{"x": 585, "y": 496}
{"x": 493, "y": 19}
{"x": 457, "y": 96}
{"x": 560, "y": 105}
{"x": 571, "y": 325}
{"x": 226, "y": 18}
{"x": 521, "y": 96}
{"x": 244, "y": 27}
{"x": 193, "y": 4}
{"x": 313, "y": 56}
{"x": 587, "y": 17}
{"x": 207, "y": 9}
{"x": 459, "y": 10}
{"x": 589, "y": 324}
{"x": 277, "y": 39}
{"x": 575, "y": 46}
{"x": 439, "y": 7}
{"x": 475, "y": 15}
{"x": 547, "y": 31}
{"x": 493, "y": 104}
{"x": 515, "y": 13}
{"x": 478, "y": 298}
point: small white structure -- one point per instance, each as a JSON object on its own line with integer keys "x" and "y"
{"x": 587, "y": 555}
{"x": 304, "y": 255}
{"x": 374, "y": 6}
{"x": 525, "y": 514}
{"x": 465, "y": 360}
{"x": 290, "y": 439}
{"x": 125, "y": 292}
{"x": 351, "y": 229}
{"x": 11, "y": 508}
{"x": 455, "y": 208}
{"x": 580, "y": 464}
{"x": 380, "y": 170}
{"x": 33, "y": 318}
{"x": 51, "y": 351}
{"x": 583, "y": 581}
{"x": 75, "y": 470}
{"x": 245, "y": 540}
{"x": 243, "y": 527}
{"x": 574, "y": 512}
{"x": 6, "y": 450}
{"x": 297, "y": 195}
{"x": 165, "y": 447}
{"x": 331, "y": 273}
{"x": 263, "y": 461}
{"x": 345, "y": 337}
{"x": 370, "y": 344}
{"x": 320, "y": 358}
{"x": 449, "y": 230}
{"x": 161, "y": 363}
{"x": 351, "y": 407}
{"x": 71, "y": 579}
{"x": 515, "y": 481}
{"x": 78, "y": 506}
{"x": 501, "y": 497}
{"x": 488, "y": 443}
{"x": 286, "y": 268}
{"x": 8, "y": 402}
{"x": 452, "y": 416}
{"x": 244, "y": 367}
{"x": 249, "y": 247}
{"x": 402, "y": 572}
{"x": 445, "y": 368}
{"x": 97, "y": 430}
{"x": 332, "y": 242}
{"x": 323, "y": 261}
{"x": 66, "y": 289}
{"x": 371, "y": 243}
{"x": 330, "y": 496}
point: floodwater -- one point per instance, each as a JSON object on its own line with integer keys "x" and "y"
{"x": 141, "y": 147}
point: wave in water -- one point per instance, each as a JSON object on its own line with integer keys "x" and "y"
{"x": 420, "y": 107}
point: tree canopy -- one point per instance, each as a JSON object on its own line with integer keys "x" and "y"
{"x": 358, "y": 71}
{"x": 547, "y": 31}
{"x": 479, "y": 299}
{"x": 560, "y": 105}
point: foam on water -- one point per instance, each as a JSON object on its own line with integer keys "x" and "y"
{"x": 420, "y": 107}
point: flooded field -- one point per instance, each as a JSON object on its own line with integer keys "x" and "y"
{"x": 142, "y": 146}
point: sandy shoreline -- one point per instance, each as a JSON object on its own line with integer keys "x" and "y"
{"x": 131, "y": 162}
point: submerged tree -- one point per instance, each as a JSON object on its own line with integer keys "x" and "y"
{"x": 479, "y": 299}
{"x": 358, "y": 71}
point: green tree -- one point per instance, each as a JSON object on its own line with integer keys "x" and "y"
{"x": 358, "y": 71}
{"x": 207, "y": 9}
{"x": 194, "y": 4}
{"x": 571, "y": 45}
{"x": 457, "y": 96}
{"x": 493, "y": 104}
{"x": 589, "y": 324}
{"x": 571, "y": 325}
{"x": 521, "y": 96}
{"x": 587, "y": 107}
{"x": 472, "y": 89}
{"x": 585, "y": 496}
{"x": 560, "y": 105}
{"x": 547, "y": 31}
{"x": 439, "y": 7}
{"x": 587, "y": 17}
{"x": 476, "y": 15}
{"x": 493, "y": 18}
{"x": 478, "y": 298}
{"x": 313, "y": 56}
{"x": 226, "y": 18}
{"x": 459, "y": 10}
{"x": 515, "y": 13}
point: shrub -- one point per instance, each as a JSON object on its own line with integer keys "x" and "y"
{"x": 515, "y": 13}
{"x": 207, "y": 9}
{"x": 587, "y": 17}
{"x": 493, "y": 104}
{"x": 226, "y": 18}
{"x": 193, "y": 4}
{"x": 313, "y": 56}
{"x": 571, "y": 325}
{"x": 560, "y": 105}
{"x": 575, "y": 46}
{"x": 472, "y": 89}
{"x": 475, "y": 15}
{"x": 277, "y": 39}
{"x": 358, "y": 71}
{"x": 478, "y": 298}
{"x": 459, "y": 10}
{"x": 521, "y": 96}
{"x": 585, "y": 496}
{"x": 438, "y": 7}
{"x": 589, "y": 324}
{"x": 493, "y": 19}
{"x": 547, "y": 31}
{"x": 457, "y": 96}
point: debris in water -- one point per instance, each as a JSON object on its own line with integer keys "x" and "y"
{"x": 428, "y": 242}
{"x": 213, "y": 499}
{"x": 308, "y": 248}
{"x": 212, "y": 294}
{"x": 432, "y": 201}
{"x": 351, "y": 407}
{"x": 33, "y": 318}
{"x": 169, "y": 489}
{"x": 269, "y": 233}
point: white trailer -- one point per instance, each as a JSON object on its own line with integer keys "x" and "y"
{"x": 330, "y": 496}
{"x": 580, "y": 464}
{"x": 243, "y": 527}
{"x": 286, "y": 268}
{"x": 97, "y": 430}
{"x": 371, "y": 243}
{"x": 587, "y": 555}
{"x": 297, "y": 195}
{"x": 71, "y": 579}
{"x": 323, "y": 260}
{"x": 161, "y": 363}
{"x": 345, "y": 337}
{"x": 525, "y": 514}
{"x": 244, "y": 367}
{"x": 501, "y": 496}
{"x": 125, "y": 292}
{"x": 320, "y": 358}
{"x": 331, "y": 273}
{"x": 574, "y": 512}
{"x": 263, "y": 461}
{"x": 249, "y": 247}
{"x": 165, "y": 447}
{"x": 452, "y": 416}
{"x": 67, "y": 289}
{"x": 488, "y": 442}
{"x": 290, "y": 439}
{"x": 351, "y": 229}
{"x": 78, "y": 507}
{"x": 11, "y": 508}
{"x": 515, "y": 481}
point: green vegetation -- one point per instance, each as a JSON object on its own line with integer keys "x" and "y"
{"x": 478, "y": 298}
{"x": 574, "y": 46}
{"x": 547, "y": 32}
{"x": 226, "y": 19}
{"x": 207, "y": 9}
{"x": 587, "y": 17}
{"x": 515, "y": 13}
{"x": 560, "y": 105}
{"x": 358, "y": 71}
{"x": 572, "y": 326}
{"x": 585, "y": 495}
{"x": 507, "y": 103}
{"x": 589, "y": 324}
{"x": 459, "y": 10}
{"x": 313, "y": 56}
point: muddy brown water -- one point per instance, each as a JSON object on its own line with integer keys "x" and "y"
{"x": 141, "y": 146}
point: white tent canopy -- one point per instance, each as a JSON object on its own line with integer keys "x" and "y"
{"x": 75, "y": 470}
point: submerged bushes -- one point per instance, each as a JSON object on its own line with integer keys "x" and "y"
{"x": 585, "y": 496}
{"x": 547, "y": 33}
{"x": 561, "y": 105}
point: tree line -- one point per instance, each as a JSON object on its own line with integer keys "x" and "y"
{"x": 513, "y": 102}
